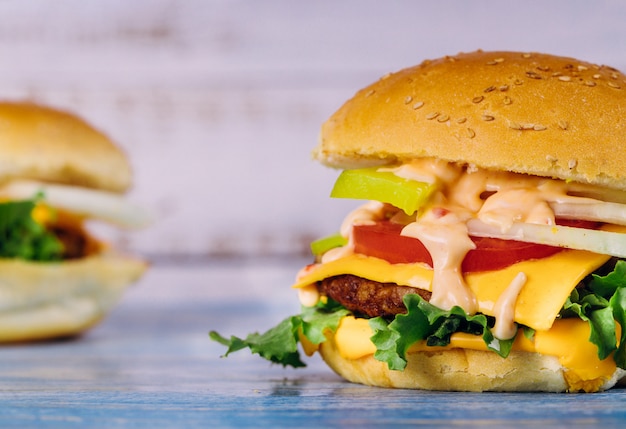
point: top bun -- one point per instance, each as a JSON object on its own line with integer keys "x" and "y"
{"x": 522, "y": 112}
{"x": 45, "y": 144}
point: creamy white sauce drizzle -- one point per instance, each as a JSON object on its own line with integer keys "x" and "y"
{"x": 367, "y": 214}
{"x": 504, "y": 309}
{"x": 308, "y": 295}
{"x": 426, "y": 170}
{"x": 436, "y": 229}
{"x": 496, "y": 198}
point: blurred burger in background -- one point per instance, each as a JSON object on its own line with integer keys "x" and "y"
{"x": 57, "y": 173}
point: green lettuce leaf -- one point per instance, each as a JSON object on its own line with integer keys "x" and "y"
{"x": 618, "y": 305}
{"x": 23, "y": 238}
{"x": 601, "y": 302}
{"x": 392, "y": 339}
{"x": 424, "y": 321}
{"x": 280, "y": 343}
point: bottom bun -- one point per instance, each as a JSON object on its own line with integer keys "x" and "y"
{"x": 458, "y": 369}
{"x": 51, "y": 300}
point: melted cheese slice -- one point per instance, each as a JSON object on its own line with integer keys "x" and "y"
{"x": 549, "y": 281}
{"x": 567, "y": 340}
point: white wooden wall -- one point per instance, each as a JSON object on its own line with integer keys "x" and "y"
{"x": 218, "y": 102}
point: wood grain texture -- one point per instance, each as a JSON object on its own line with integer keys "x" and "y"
{"x": 151, "y": 365}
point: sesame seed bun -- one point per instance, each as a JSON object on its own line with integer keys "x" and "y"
{"x": 528, "y": 113}
{"x": 41, "y": 143}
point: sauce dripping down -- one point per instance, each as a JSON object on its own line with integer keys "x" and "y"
{"x": 436, "y": 230}
{"x": 464, "y": 193}
{"x": 504, "y": 309}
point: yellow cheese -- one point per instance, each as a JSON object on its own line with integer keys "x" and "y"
{"x": 568, "y": 340}
{"x": 416, "y": 275}
{"x": 550, "y": 281}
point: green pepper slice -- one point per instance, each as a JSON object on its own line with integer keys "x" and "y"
{"x": 324, "y": 244}
{"x": 384, "y": 186}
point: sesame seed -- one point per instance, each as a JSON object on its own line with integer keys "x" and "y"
{"x": 418, "y": 105}
{"x": 572, "y": 163}
{"x": 478, "y": 99}
{"x": 565, "y": 78}
{"x": 597, "y": 76}
{"x": 432, "y": 115}
{"x": 461, "y": 120}
{"x": 370, "y": 93}
{"x": 528, "y": 126}
{"x": 543, "y": 68}
{"x": 507, "y": 100}
{"x": 563, "y": 125}
{"x": 487, "y": 118}
{"x": 490, "y": 89}
{"x": 515, "y": 126}
{"x": 471, "y": 133}
{"x": 408, "y": 99}
{"x": 443, "y": 118}
{"x": 533, "y": 75}
{"x": 590, "y": 83}
{"x": 526, "y": 55}
{"x": 504, "y": 88}
{"x": 495, "y": 61}
{"x": 614, "y": 85}
{"x": 582, "y": 68}
{"x": 539, "y": 127}
{"x": 551, "y": 158}
{"x": 518, "y": 82}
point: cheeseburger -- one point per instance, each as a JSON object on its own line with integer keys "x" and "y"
{"x": 487, "y": 254}
{"x": 56, "y": 174}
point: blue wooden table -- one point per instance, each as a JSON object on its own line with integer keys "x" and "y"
{"x": 150, "y": 364}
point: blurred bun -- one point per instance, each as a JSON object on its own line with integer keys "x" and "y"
{"x": 51, "y": 300}
{"x": 41, "y": 143}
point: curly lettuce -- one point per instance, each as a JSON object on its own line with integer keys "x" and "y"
{"x": 22, "y": 237}
{"x": 424, "y": 321}
{"x": 600, "y": 301}
{"x": 280, "y": 343}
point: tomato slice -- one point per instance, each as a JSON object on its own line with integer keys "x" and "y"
{"x": 383, "y": 240}
{"x": 494, "y": 254}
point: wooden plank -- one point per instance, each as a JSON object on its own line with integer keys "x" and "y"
{"x": 151, "y": 364}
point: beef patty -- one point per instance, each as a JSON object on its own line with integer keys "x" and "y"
{"x": 363, "y": 296}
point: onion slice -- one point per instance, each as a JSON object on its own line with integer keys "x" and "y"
{"x": 591, "y": 210}
{"x": 106, "y": 206}
{"x": 596, "y": 241}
